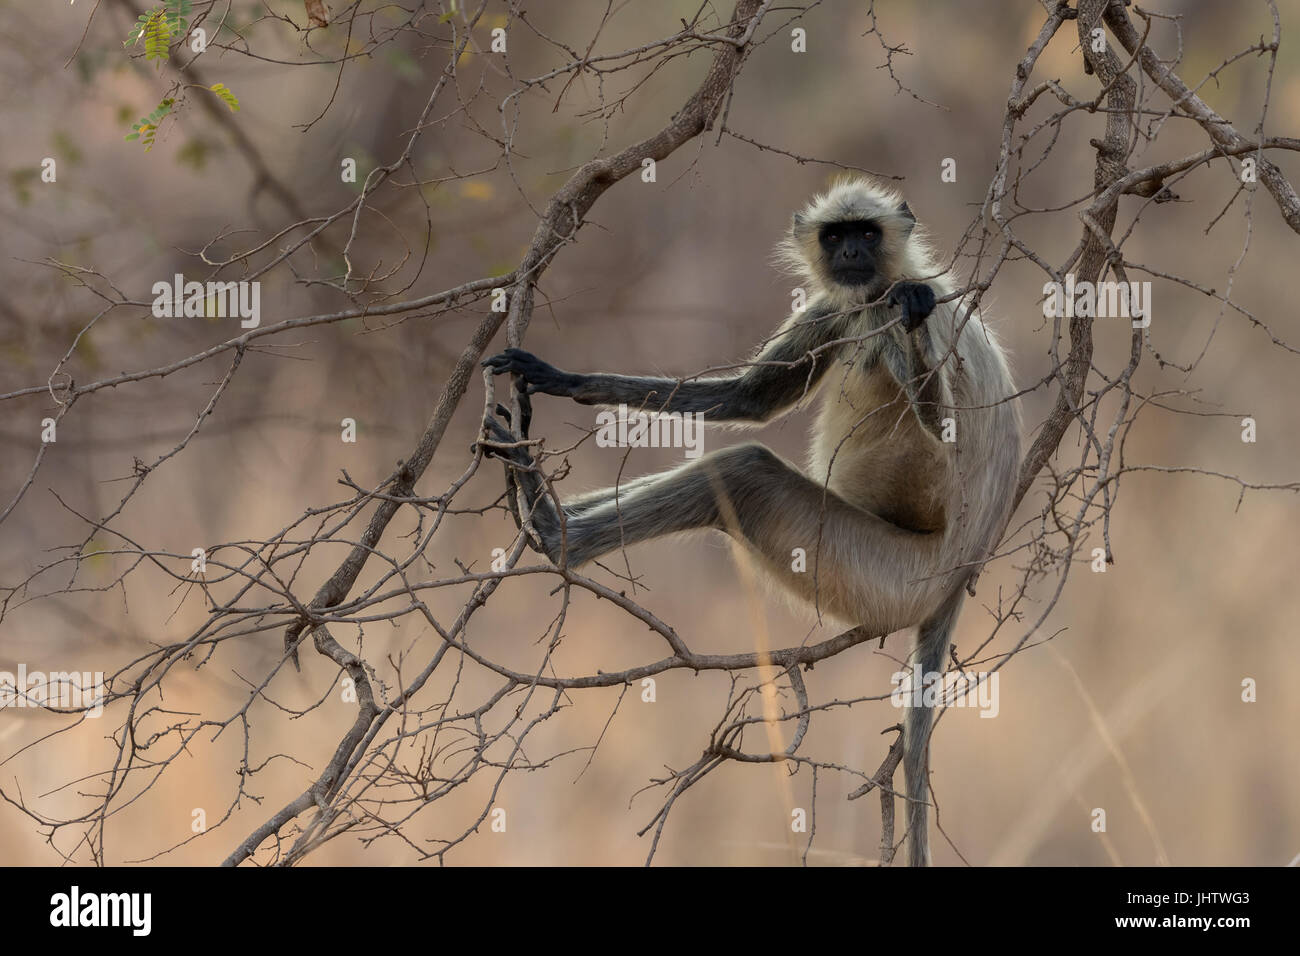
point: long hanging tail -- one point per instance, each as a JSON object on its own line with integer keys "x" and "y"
{"x": 928, "y": 657}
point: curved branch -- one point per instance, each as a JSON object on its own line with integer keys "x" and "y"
{"x": 563, "y": 217}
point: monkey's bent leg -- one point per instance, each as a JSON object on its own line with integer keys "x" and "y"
{"x": 859, "y": 566}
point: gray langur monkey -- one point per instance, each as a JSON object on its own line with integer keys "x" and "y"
{"x": 898, "y": 518}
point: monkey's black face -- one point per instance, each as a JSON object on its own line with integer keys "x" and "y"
{"x": 851, "y": 249}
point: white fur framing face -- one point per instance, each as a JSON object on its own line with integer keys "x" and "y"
{"x": 903, "y": 251}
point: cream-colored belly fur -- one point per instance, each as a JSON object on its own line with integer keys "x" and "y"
{"x": 880, "y": 456}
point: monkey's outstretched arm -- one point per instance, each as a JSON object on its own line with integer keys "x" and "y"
{"x": 782, "y": 373}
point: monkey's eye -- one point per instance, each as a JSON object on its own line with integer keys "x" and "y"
{"x": 832, "y": 237}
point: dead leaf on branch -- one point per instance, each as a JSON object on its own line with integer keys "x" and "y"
{"x": 317, "y": 13}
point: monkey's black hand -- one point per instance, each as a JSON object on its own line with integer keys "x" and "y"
{"x": 540, "y": 376}
{"x": 917, "y": 300}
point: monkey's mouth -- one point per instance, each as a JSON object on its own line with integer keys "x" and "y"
{"x": 853, "y": 277}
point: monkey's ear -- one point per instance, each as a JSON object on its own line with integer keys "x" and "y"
{"x": 909, "y": 219}
{"x": 798, "y": 222}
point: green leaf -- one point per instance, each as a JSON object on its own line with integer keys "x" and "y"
{"x": 178, "y": 13}
{"x": 147, "y": 128}
{"x": 137, "y": 28}
{"x": 227, "y": 97}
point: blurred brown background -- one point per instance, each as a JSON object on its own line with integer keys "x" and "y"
{"x": 1135, "y": 707}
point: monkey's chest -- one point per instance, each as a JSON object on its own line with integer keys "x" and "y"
{"x": 878, "y": 455}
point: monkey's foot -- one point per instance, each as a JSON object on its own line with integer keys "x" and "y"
{"x": 522, "y": 473}
{"x": 525, "y": 411}
{"x": 497, "y": 435}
